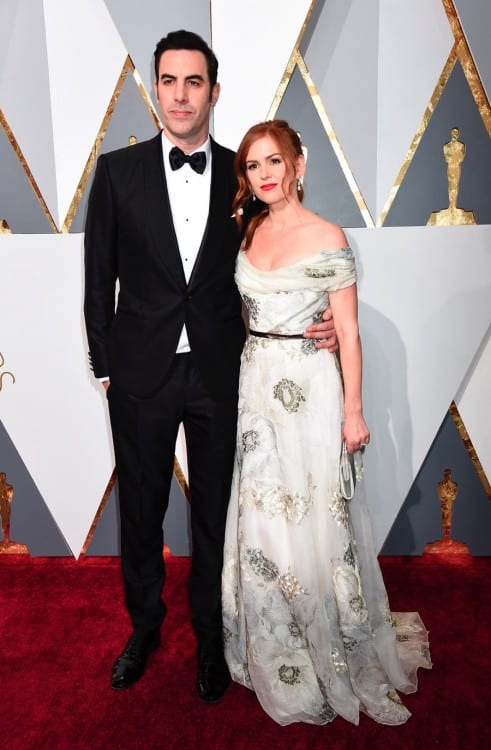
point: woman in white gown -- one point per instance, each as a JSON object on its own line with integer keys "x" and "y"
{"x": 306, "y": 619}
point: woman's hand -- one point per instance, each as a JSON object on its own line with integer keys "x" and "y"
{"x": 355, "y": 432}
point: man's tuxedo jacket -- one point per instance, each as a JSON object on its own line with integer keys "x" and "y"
{"x": 130, "y": 236}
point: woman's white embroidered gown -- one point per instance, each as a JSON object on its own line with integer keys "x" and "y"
{"x": 306, "y": 618}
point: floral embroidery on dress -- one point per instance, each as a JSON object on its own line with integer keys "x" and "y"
{"x": 241, "y": 674}
{"x": 289, "y": 393}
{"x": 346, "y": 252}
{"x": 338, "y": 661}
{"x": 227, "y": 634}
{"x": 308, "y": 347}
{"x": 338, "y": 509}
{"x": 357, "y": 604}
{"x": 327, "y": 713}
{"x": 289, "y": 675}
{"x": 349, "y": 643}
{"x": 261, "y": 566}
{"x": 250, "y": 440}
{"x": 279, "y": 501}
{"x": 388, "y": 615}
{"x": 250, "y": 348}
{"x": 290, "y": 586}
{"x": 253, "y": 306}
{"x": 269, "y": 571}
{"x": 349, "y": 556}
{"x": 351, "y": 604}
{"x": 394, "y": 697}
{"x": 319, "y": 273}
{"x": 295, "y": 631}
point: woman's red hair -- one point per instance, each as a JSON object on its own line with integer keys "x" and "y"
{"x": 290, "y": 148}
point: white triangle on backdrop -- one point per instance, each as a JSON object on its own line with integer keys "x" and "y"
{"x": 474, "y": 404}
{"x": 155, "y": 19}
{"x": 55, "y": 412}
{"x": 24, "y": 93}
{"x": 253, "y": 42}
{"x": 376, "y": 65}
{"x": 55, "y": 115}
{"x": 83, "y": 46}
{"x": 425, "y": 307}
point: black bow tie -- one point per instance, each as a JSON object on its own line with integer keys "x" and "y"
{"x": 197, "y": 161}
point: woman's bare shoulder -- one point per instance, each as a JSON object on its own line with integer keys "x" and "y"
{"x": 330, "y": 236}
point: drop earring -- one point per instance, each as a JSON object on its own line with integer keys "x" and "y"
{"x": 299, "y": 184}
{"x": 254, "y": 196}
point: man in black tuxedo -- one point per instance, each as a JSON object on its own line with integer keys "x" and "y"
{"x": 159, "y": 222}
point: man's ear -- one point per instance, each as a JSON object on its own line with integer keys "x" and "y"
{"x": 215, "y": 93}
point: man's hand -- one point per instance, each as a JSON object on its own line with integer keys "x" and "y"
{"x": 324, "y": 333}
{"x": 106, "y": 384}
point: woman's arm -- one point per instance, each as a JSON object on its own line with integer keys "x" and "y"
{"x": 344, "y": 305}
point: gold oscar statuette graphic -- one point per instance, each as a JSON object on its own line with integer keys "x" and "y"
{"x": 4, "y": 227}
{"x": 447, "y": 492}
{"x": 7, "y": 546}
{"x": 454, "y": 153}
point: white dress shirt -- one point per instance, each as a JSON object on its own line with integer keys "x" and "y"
{"x": 189, "y": 197}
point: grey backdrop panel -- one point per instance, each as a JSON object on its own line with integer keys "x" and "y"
{"x": 141, "y": 26}
{"x": 105, "y": 540}
{"x": 31, "y": 523}
{"x": 314, "y": 26}
{"x": 425, "y": 186}
{"x": 319, "y": 44}
{"x": 419, "y": 520}
{"x": 327, "y": 192}
{"x": 176, "y": 525}
{"x": 475, "y": 17}
{"x": 19, "y": 205}
{"x": 131, "y": 116}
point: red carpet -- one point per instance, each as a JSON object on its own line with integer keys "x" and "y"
{"x": 62, "y": 623}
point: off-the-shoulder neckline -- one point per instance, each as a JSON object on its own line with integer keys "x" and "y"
{"x": 306, "y": 258}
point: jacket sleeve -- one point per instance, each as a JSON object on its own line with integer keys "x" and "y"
{"x": 101, "y": 267}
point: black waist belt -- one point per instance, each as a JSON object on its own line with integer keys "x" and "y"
{"x": 263, "y": 335}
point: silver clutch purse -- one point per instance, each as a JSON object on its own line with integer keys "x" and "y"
{"x": 347, "y": 473}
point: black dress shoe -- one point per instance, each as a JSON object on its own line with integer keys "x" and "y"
{"x": 132, "y": 661}
{"x": 213, "y": 675}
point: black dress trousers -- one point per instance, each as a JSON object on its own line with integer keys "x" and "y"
{"x": 144, "y": 435}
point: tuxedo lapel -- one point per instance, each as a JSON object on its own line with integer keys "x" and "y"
{"x": 159, "y": 215}
{"x": 218, "y": 215}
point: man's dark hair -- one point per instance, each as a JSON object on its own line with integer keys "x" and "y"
{"x": 183, "y": 39}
